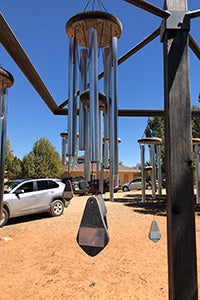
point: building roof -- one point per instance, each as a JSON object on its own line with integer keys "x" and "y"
{"x": 122, "y": 168}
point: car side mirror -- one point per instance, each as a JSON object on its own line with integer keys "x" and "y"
{"x": 17, "y": 192}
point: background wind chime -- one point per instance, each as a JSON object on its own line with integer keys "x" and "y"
{"x": 90, "y": 34}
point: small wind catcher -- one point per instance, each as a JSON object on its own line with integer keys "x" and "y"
{"x": 92, "y": 33}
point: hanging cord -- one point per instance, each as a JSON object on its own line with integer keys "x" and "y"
{"x": 98, "y": 4}
{"x": 86, "y": 5}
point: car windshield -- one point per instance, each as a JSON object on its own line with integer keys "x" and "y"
{"x": 9, "y": 185}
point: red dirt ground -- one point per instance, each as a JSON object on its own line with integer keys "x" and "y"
{"x": 40, "y": 258}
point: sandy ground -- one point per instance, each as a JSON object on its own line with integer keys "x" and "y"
{"x": 40, "y": 258}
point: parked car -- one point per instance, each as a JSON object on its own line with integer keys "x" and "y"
{"x": 94, "y": 186}
{"x": 135, "y": 184}
{"x": 29, "y": 196}
{"x": 79, "y": 184}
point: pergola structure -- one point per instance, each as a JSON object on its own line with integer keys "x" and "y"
{"x": 175, "y": 35}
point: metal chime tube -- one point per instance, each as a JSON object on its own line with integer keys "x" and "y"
{"x": 84, "y": 142}
{"x": 153, "y": 173}
{"x": 82, "y": 110}
{"x": 142, "y": 153}
{"x": 93, "y": 92}
{"x": 113, "y": 117}
{"x": 197, "y": 153}
{"x": 64, "y": 150}
{"x": 114, "y": 108}
{"x": 107, "y": 71}
{"x": 87, "y": 149}
{"x": 159, "y": 170}
{"x": 3, "y": 116}
{"x": 72, "y": 110}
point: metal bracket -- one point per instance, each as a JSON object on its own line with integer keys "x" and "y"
{"x": 178, "y": 20}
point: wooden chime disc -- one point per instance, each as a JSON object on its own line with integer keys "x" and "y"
{"x": 6, "y": 79}
{"x": 64, "y": 135}
{"x": 107, "y": 26}
{"x": 85, "y": 98}
{"x": 150, "y": 141}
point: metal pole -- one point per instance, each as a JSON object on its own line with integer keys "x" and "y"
{"x": 153, "y": 172}
{"x": 159, "y": 170}
{"x": 83, "y": 86}
{"x": 72, "y": 107}
{"x": 93, "y": 92}
{"x": 115, "y": 106}
{"x": 142, "y": 152}
{"x": 107, "y": 70}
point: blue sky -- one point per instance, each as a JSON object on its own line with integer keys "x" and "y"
{"x": 40, "y": 29}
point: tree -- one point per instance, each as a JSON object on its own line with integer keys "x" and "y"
{"x": 42, "y": 161}
{"x": 13, "y": 165}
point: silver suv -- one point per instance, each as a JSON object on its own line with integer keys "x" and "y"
{"x": 31, "y": 196}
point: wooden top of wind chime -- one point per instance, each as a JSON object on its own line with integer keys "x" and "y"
{"x": 150, "y": 141}
{"x": 64, "y": 135}
{"x": 106, "y": 25}
{"x": 6, "y": 79}
{"x": 85, "y": 98}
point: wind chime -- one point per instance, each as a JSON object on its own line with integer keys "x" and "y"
{"x": 155, "y": 155}
{"x": 92, "y": 33}
{"x": 6, "y": 81}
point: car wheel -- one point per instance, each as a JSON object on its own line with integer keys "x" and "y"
{"x": 57, "y": 208}
{"x": 5, "y": 218}
{"x": 125, "y": 189}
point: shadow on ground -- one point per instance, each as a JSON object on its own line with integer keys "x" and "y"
{"x": 153, "y": 206}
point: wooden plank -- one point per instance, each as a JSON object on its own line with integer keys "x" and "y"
{"x": 182, "y": 263}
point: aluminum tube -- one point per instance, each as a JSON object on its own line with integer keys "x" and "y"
{"x": 101, "y": 178}
{"x": 111, "y": 183}
{"x": 107, "y": 71}
{"x": 142, "y": 153}
{"x": 114, "y": 108}
{"x": 153, "y": 173}
{"x": 83, "y": 86}
{"x": 106, "y": 162}
{"x": 107, "y": 91}
{"x": 3, "y": 104}
{"x": 159, "y": 169}
{"x": 72, "y": 107}
{"x": 197, "y": 153}
{"x": 93, "y": 92}
{"x": 87, "y": 149}
{"x": 64, "y": 150}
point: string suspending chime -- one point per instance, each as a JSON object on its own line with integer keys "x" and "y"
{"x": 89, "y": 33}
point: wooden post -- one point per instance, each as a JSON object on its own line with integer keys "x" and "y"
{"x": 182, "y": 261}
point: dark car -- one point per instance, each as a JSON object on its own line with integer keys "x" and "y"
{"x": 79, "y": 184}
{"x": 94, "y": 186}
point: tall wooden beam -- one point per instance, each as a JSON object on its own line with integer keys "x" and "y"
{"x": 182, "y": 263}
